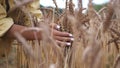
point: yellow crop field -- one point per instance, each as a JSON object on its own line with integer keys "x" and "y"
{"x": 96, "y": 38}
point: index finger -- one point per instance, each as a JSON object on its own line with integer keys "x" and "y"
{"x": 55, "y": 26}
{"x": 62, "y": 34}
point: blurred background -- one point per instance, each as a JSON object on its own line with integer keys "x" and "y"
{"x": 61, "y": 3}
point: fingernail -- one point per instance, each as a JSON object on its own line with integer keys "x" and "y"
{"x": 70, "y": 35}
{"x": 68, "y": 44}
{"x": 72, "y": 39}
{"x": 58, "y": 27}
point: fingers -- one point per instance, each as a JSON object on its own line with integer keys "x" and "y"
{"x": 62, "y": 38}
{"x": 65, "y": 39}
{"x": 62, "y": 34}
{"x": 63, "y": 44}
{"x": 55, "y": 26}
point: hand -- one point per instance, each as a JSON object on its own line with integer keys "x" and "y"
{"x": 62, "y": 38}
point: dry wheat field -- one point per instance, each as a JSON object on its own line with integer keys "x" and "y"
{"x": 96, "y": 34}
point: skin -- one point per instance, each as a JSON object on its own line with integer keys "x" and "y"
{"x": 59, "y": 36}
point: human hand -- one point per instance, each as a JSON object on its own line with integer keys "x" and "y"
{"x": 62, "y": 38}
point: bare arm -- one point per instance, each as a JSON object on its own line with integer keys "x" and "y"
{"x": 29, "y": 35}
{"x": 59, "y": 36}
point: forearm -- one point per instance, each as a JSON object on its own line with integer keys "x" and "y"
{"x": 28, "y": 34}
